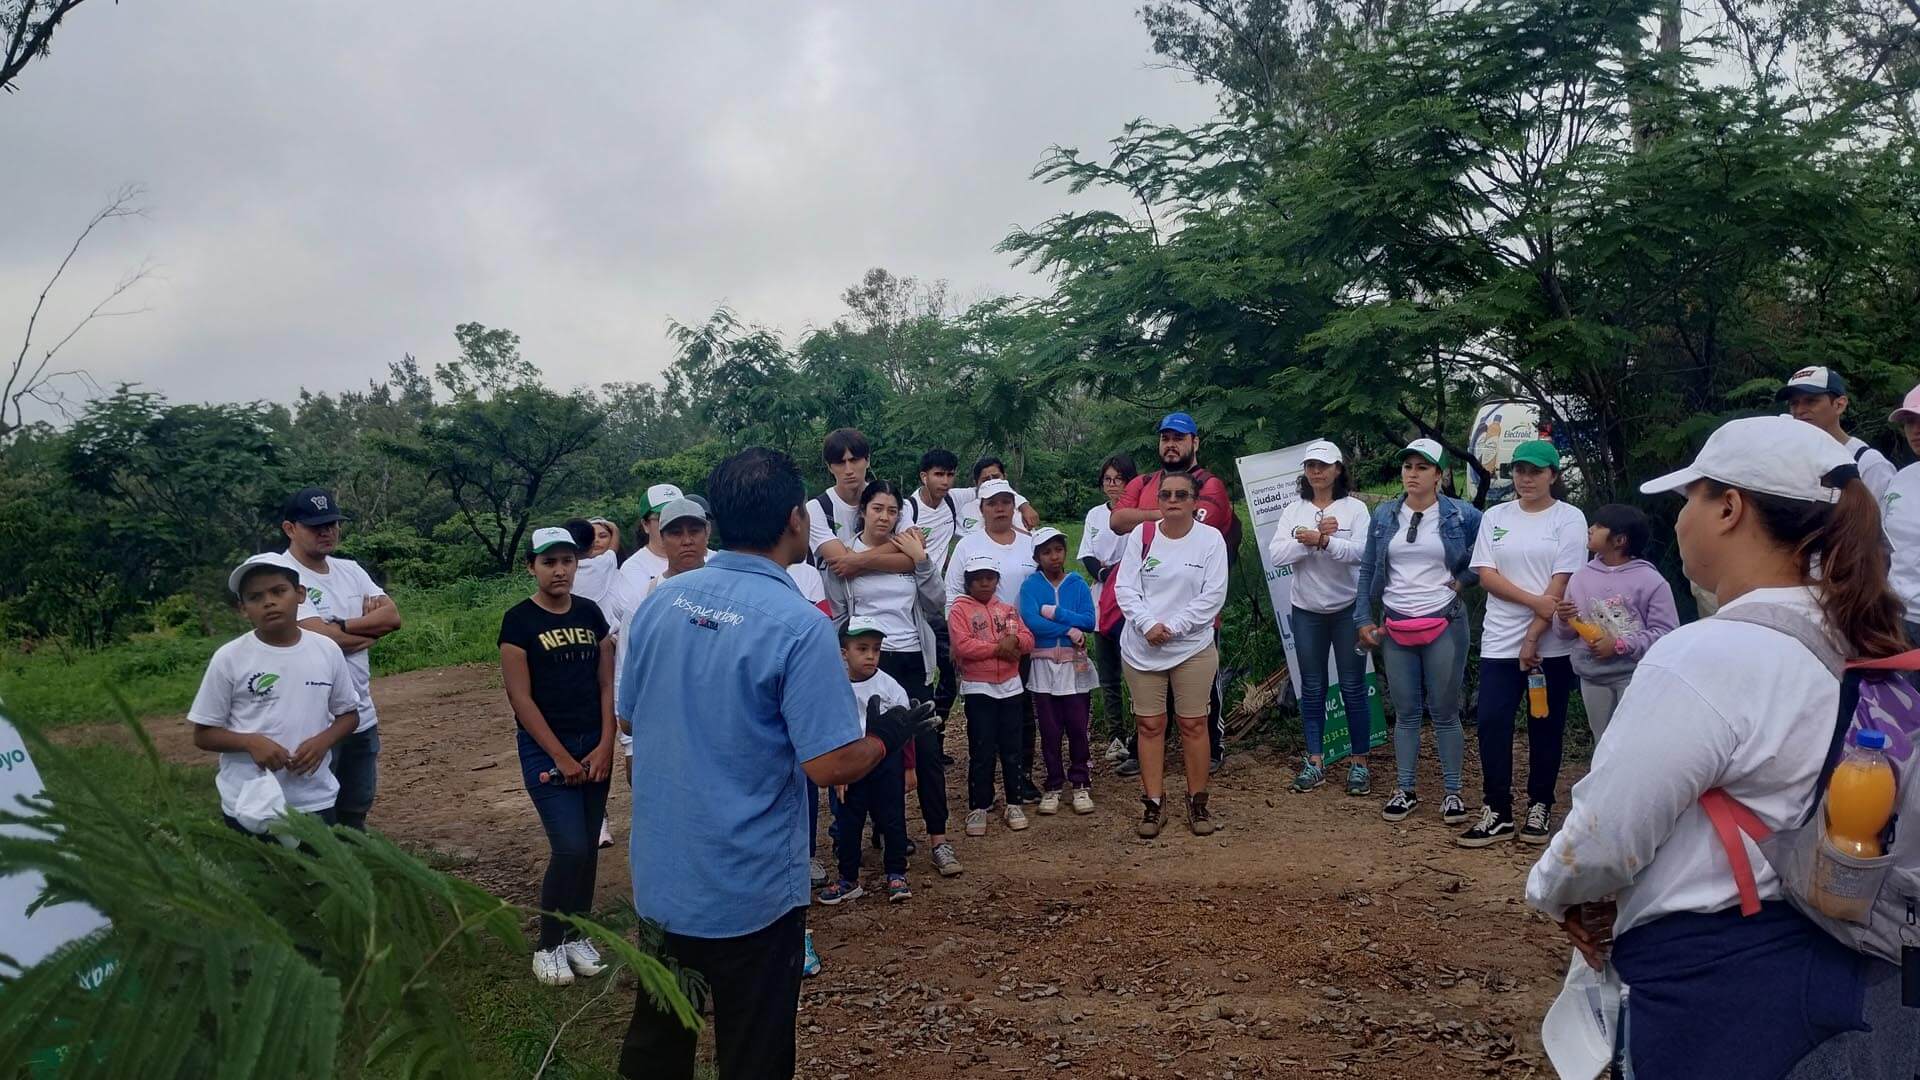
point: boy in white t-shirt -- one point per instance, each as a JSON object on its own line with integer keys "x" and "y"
{"x": 276, "y": 700}
{"x": 882, "y": 793}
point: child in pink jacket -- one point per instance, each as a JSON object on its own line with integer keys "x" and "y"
{"x": 988, "y": 641}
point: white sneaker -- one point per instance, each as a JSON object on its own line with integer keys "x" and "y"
{"x": 1082, "y": 801}
{"x": 1050, "y": 803}
{"x": 606, "y": 834}
{"x": 550, "y": 967}
{"x": 816, "y": 872}
{"x": 1116, "y": 752}
{"x": 1016, "y": 818}
{"x": 583, "y": 958}
{"x": 976, "y": 823}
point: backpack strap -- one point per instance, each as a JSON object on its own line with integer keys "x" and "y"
{"x": 1730, "y": 819}
{"x": 1146, "y": 538}
{"x": 953, "y": 511}
{"x": 1860, "y": 453}
{"x": 1796, "y": 624}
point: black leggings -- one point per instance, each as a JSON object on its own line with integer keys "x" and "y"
{"x": 993, "y": 734}
{"x": 930, "y": 776}
{"x": 1503, "y": 687}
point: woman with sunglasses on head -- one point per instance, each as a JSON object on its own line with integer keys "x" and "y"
{"x": 1419, "y": 551}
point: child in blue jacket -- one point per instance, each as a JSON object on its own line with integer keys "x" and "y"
{"x": 1058, "y": 608}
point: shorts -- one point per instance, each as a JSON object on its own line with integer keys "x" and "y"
{"x": 1190, "y": 680}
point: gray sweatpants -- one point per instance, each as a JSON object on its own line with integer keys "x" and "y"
{"x": 1601, "y": 698}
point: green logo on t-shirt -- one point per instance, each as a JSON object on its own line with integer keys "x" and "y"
{"x": 1150, "y": 563}
{"x": 261, "y": 682}
{"x": 968, "y": 524}
{"x": 314, "y": 596}
{"x": 1499, "y": 534}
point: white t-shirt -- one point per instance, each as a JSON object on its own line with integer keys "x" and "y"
{"x": 938, "y": 524}
{"x": 1527, "y": 549}
{"x": 641, "y": 568}
{"x": 1714, "y": 704}
{"x": 1875, "y": 469}
{"x": 807, "y": 576}
{"x": 592, "y": 577}
{"x": 1179, "y": 583}
{"x": 1900, "y": 518}
{"x": 891, "y": 599}
{"x": 971, "y": 520}
{"x": 289, "y": 694}
{"x": 841, "y": 528}
{"x": 1418, "y": 582}
{"x": 882, "y": 686}
{"x": 1097, "y": 538}
{"x": 341, "y": 593}
{"x": 1015, "y": 559}
{"x": 1324, "y": 579}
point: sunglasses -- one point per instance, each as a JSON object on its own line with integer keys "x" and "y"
{"x": 1176, "y": 496}
{"x": 1413, "y": 527}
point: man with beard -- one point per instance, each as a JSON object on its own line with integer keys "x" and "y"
{"x": 1179, "y": 451}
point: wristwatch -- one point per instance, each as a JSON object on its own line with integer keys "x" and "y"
{"x": 341, "y": 623}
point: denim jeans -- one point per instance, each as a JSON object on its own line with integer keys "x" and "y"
{"x": 355, "y": 766}
{"x": 1427, "y": 681}
{"x": 1503, "y": 687}
{"x": 1314, "y": 633}
{"x": 571, "y": 815}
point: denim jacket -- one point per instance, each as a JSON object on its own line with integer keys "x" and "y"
{"x": 1459, "y": 527}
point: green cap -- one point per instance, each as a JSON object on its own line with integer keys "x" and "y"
{"x": 1538, "y": 452}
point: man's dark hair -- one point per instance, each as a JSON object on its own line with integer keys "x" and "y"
{"x": 984, "y": 464}
{"x": 754, "y": 494}
{"x": 1628, "y": 521}
{"x": 1120, "y": 463}
{"x": 940, "y": 458}
{"x": 254, "y": 571}
{"x": 582, "y": 532}
{"x": 844, "y": 443}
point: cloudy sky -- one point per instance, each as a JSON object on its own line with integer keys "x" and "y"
{"x": 332, "y": 185}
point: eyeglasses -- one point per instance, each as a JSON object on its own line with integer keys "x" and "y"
{"x": 1413, "y": 527}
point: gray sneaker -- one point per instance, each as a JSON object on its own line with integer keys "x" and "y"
{"x": 1129, "y": 767}
{"x": 1359, "y": 781}
{"x": 945, "y": 861}
{"x": 1309, "y": 777}
{"x": 976, "y": 823}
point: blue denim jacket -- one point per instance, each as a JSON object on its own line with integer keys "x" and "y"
{"x": 1459, "y": 527}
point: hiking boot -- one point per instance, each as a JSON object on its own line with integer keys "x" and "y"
{"x": 1309, "y": 777}
{"x": 1359, "y": 780}
{"x": 550, "y": 967}
{"x": 1128, "y": 767}
{"x": 1082, "y": 801}
{"x": 1399, "y": 806}
{"x": 976, "y": 823}
{"x": 1198, "y": 819}
{"x": 945, "y": 861}
{"x": 1016, "y": 818}
{"x": 1050, "y": 803}
{"x": 1490, "y": 829}
{"x": 1538, "y": 826}
{"x": 1150, "y": 822}
{"x": 583, "y": 958}
{"x": 1453, "y": 810}
{"x": 810, "y": 964}
{"x": 840, "y": 892}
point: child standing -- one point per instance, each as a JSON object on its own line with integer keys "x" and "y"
{"x": 1618, "y": 604}
{"x": 882, "y": 793}
{"x": 1058, "y": 606}
{"x": 275, "y": 701}
{"x": 988, "y": 640}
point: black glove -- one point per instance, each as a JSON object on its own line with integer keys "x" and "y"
{"x": 896, "y": 727}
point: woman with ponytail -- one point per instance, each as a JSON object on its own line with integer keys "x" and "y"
{"x": 1779, "y": 528}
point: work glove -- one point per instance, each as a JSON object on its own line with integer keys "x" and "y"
{"x": 897, "y": 726}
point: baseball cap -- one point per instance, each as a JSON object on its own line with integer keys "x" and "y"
{"x": 1045, "y": 533}
{"x": 679, "y": 509}
{"x": 993, "y": 487}
{"x": 1322, "y": 451}
{"x": 982, "y": 563}
{"x": 270, "y": 559}
{"x": 1537, "y": 452}
{"x": 1579, "y": 1030}
{"x": 311, "y": 506}
{"x": 658, "y": 496}
{"x": 1180, "y": 422}
{"x": 862, "y": 624}
{"x": 1773, "y": 455}
{"x": 551, "y": 537}
{"x": 701, "y": 501}
{"x": 1812, "y": 380}
{"x": 1426, "y": 448}
{"x": 1909, "y": 407}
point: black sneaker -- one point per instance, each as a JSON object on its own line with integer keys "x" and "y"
{"x": 1128, "y": 767}
{"x": 1399, "y": 806}
{"x": 1538, "y": 826}
{"x": 1453, "y": 811}
{"x": 1489, "y": 830}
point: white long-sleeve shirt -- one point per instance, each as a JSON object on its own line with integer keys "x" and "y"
{"x": 1715, "y": 704}
{"x": 1181, "y": 584}
{"x": 1015, "y": 559}
{"x": 1324, "y": 579}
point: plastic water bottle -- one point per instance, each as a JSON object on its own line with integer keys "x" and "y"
{"x": 1537, "y": 694}
{"x": 1861, "y": 797}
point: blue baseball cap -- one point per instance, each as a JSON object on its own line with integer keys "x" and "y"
{"x": 1180, "y": 422}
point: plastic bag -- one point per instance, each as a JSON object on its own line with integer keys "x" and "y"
{"x": 259, "y": 803}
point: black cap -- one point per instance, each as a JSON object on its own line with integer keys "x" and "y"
{"x": 311, "y": 506}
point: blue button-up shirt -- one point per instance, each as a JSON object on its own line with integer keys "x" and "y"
{"x": 732, "y": 680}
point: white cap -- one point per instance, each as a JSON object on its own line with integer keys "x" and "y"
{"x": 265, "y": 558}
{"x": 1322, "y": 451}
{"x": 995, "y": 486}
{"x": 658, "y": 496}
{"x": 546, "y": 538}
{"x": 680, "y": 508}
{"x": 1579, "y": 1030}
{"x": 863, "y": 624}
{"x": 1426, "y": 448}
{"x": 1045, "y": 533}
{"x": 980, "y": 562}
{"x": 1773, "y": 455}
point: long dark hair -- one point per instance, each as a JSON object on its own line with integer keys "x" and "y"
{"x": 873, "y": 488}
{"x": 1854, "y": 595}
{"x": 1341, "y": 489}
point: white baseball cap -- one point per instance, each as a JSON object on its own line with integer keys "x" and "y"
{"x": 977, "y": 563}
{"x": 1773, "y": 455}
{"x": 995, "y": 486}
{"x": 863, "y": 624}
{"x": 1426, "y": 448}
{"x": 1322, "y": 451}
{"x": 658, "y": 496}
{"x": 1045, "y": 533}
{"x": 1579, "y": 1030}
{"x": 546, "y": 538}
{"x": 1812, "y": 380}
{"x": 265, "y": 558}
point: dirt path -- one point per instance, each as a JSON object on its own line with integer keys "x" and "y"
{"x": 1306, "y": 938}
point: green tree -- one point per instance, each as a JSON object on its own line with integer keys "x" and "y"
{"x": 26, "y": 30}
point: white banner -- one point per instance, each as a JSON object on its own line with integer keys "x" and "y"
{"x": 29, "y": 939}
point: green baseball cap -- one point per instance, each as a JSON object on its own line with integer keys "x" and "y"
{"x": 1538, "y": 452}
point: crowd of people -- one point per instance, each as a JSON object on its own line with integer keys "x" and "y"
{"x": 817, "y": 656}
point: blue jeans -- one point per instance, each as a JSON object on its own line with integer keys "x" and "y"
{"x": 355, "y": 765}
{"x": 571, "y": 815}
{"x": 1313, "y": 634}
{"x": 1427, "y": 681}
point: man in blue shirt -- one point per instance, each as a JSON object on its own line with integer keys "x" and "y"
{"x": 738, "y": 696}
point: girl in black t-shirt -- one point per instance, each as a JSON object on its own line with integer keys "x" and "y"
{"x": 557, "y": 664}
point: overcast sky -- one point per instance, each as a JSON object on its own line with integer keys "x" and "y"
{"x": 333, "y": 185}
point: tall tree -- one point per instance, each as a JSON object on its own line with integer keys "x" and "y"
{"x": 26, "y": 30}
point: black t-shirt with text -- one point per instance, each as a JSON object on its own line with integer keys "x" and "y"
{"x": 563, "y": 660}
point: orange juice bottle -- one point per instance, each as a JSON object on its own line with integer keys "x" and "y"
{"x": 1588, "y": 632}
{"x": 1537, "y": 694}
{"x": 1860, "y": 797}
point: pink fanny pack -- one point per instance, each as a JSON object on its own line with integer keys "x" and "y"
{"x": 1413, "y": 633}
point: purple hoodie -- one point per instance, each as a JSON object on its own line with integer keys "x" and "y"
{"x": 1631, "y": 601}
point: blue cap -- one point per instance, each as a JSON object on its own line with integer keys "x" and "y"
{"x": 1180, "y": 422}
{"x": 1870, "y": 740}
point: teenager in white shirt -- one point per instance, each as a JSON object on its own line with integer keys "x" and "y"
{"x": 1526, "y": 552}
{"x": 1748, "y": 710}
{"x": 1099, "y": 553}
{"x": 1320, "y": 539}
{"x": 276, "y": 700}
{"x": 1900, "y": 517}
{"x": 1172, "y": 584}
{"x": 833, "y": 517}
{"x": 345, "y": 606}
{"x": 1818, "y": 396}
{"x": 649, "y": 560}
